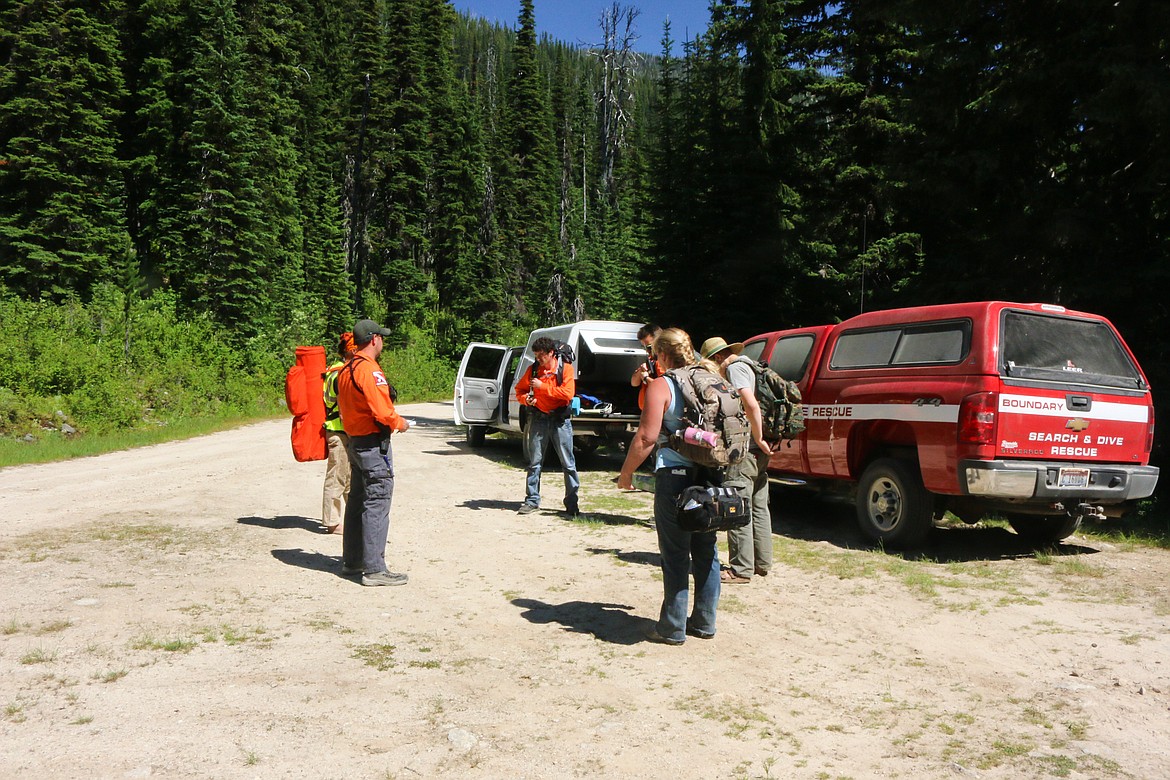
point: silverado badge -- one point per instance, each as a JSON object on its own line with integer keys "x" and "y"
{"x": 1077, "y": 424}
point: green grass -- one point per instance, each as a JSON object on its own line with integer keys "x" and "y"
{"x": 175, "y": 645}
{"x": 232, "y": 635}
{"x": 138, "y": 538}
{"x": 379, "y": 656}
{"x": 54, "y": 447}
{"x": 38, "y": 656}
{"x": 1148, "y": 526}
{"x": 53, "y": 627}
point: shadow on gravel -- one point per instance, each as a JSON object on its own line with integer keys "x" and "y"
{"x": 802, "y": 516}
{"x": 284, "y": 522}
{"x": 608, "y": 622}
{"x": 646, "y": 558}
{"x": 492, "y": 503}
{"x": 607, "y": 518}
{"x": 314, "y": 561}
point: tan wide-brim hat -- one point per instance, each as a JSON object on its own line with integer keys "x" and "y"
{"x": 715, "y": 344}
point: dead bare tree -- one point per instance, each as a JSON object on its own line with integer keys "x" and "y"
{"x": 616, "y": 99}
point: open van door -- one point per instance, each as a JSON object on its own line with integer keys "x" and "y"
{"x": 478, "y": 386}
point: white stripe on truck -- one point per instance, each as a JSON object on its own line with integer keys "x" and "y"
{"x": 949, "y": 413}
{"x": 1056, "y": 407}
{"x": 944, "y": 413}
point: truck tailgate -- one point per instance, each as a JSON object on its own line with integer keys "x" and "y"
{"x": 1083, "y": 426}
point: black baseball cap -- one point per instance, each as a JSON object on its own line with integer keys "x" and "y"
{"x": 365, "y": 330}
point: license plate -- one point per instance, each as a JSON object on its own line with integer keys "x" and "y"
{"x": 1073, "y": 478}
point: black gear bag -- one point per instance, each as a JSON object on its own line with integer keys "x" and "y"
{"x": 703, "y": 509}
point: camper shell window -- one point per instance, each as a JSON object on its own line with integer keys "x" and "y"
{"x": 929, "y": 344}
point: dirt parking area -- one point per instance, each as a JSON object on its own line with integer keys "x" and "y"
{"x": 173, "y": 611}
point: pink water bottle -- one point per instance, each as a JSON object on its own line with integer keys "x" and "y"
{"x": 700, "y": 437}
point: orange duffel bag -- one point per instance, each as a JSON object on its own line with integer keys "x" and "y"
{"x": 302, "y": 393}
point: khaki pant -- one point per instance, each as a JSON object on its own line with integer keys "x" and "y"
{"x": 336, "y": 479}
{"x": 750, "y": 548}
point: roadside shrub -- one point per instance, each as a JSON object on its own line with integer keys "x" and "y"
{"x": 417, "y": 371}
{"x": 116, "y": 363}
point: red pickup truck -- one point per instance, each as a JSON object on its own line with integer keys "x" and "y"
{"x": 1033, "y": 412}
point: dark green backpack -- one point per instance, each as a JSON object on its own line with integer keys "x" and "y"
{"x": 780, "y": 403}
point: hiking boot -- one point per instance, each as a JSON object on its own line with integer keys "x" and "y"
{"x": 527, "y": 509}
{"x": 349, "y": 571}
{"x": 384, "y": 578}
{"x": 654, "y": 636}
{"x": 700, "y": 634}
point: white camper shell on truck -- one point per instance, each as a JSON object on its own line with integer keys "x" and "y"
{"x": 606, "y": 355}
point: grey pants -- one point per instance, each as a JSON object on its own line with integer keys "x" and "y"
{"x": 367, "y": 513}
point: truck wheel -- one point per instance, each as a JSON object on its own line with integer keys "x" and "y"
{"x": 892, "y": 505}
{"x": 476, "y": 435}
{"x": 1042, "y": 531}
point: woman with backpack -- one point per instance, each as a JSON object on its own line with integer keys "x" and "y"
{"x": 682, "y": 552}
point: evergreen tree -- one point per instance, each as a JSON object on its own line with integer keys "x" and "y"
{"x": 159, "y": 56}
{"x": 469, "y": 297}
{"x": 527, "y": 219}
{"x": 861, "y": 252}
{"x": 399, "y": 209}
{"x": 320, "y": 58}
{"x": 226, "y": 261}
{"x": 272, "y": 103}
{"x": 666, "y": 183}
{"x": 363, "y": 136}
{"x": 62, "y": 195}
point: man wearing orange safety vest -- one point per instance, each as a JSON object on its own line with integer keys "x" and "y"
{"x": 368, "y": 415}
{"x": 547, "y": 391}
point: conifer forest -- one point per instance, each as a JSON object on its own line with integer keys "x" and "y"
{"x": 284, "y": 166}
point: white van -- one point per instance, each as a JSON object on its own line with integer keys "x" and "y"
{"x": 606, "y": 355}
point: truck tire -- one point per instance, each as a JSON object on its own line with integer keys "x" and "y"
{"x": 476, "y": 435}
{"x": 1044, "y": 530}
{"x": 893, "y": 507}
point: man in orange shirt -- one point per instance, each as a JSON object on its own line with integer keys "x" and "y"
{"x": 647, "y": 370}
{"x": 547, "y": 397}
{"x": 363, "y": 397}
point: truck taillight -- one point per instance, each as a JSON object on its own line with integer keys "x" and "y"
{"x": 1150, "y": 432}
{"x": 977, "y": 418}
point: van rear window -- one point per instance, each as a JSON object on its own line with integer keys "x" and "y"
{"x": 1065, "y": 349}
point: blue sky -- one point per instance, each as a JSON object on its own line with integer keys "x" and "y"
{"x": 576, "y": 21}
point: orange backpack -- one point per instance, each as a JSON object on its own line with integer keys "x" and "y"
{"x": 302, "y": 393}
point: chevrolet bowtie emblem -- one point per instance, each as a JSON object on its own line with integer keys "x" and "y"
{"x": 1077, "y": 424}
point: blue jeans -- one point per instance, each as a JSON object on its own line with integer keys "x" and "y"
{"x": 367, "y": 513}
{"x": 683, "y": 554}
{"x": 543, "y": 430}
